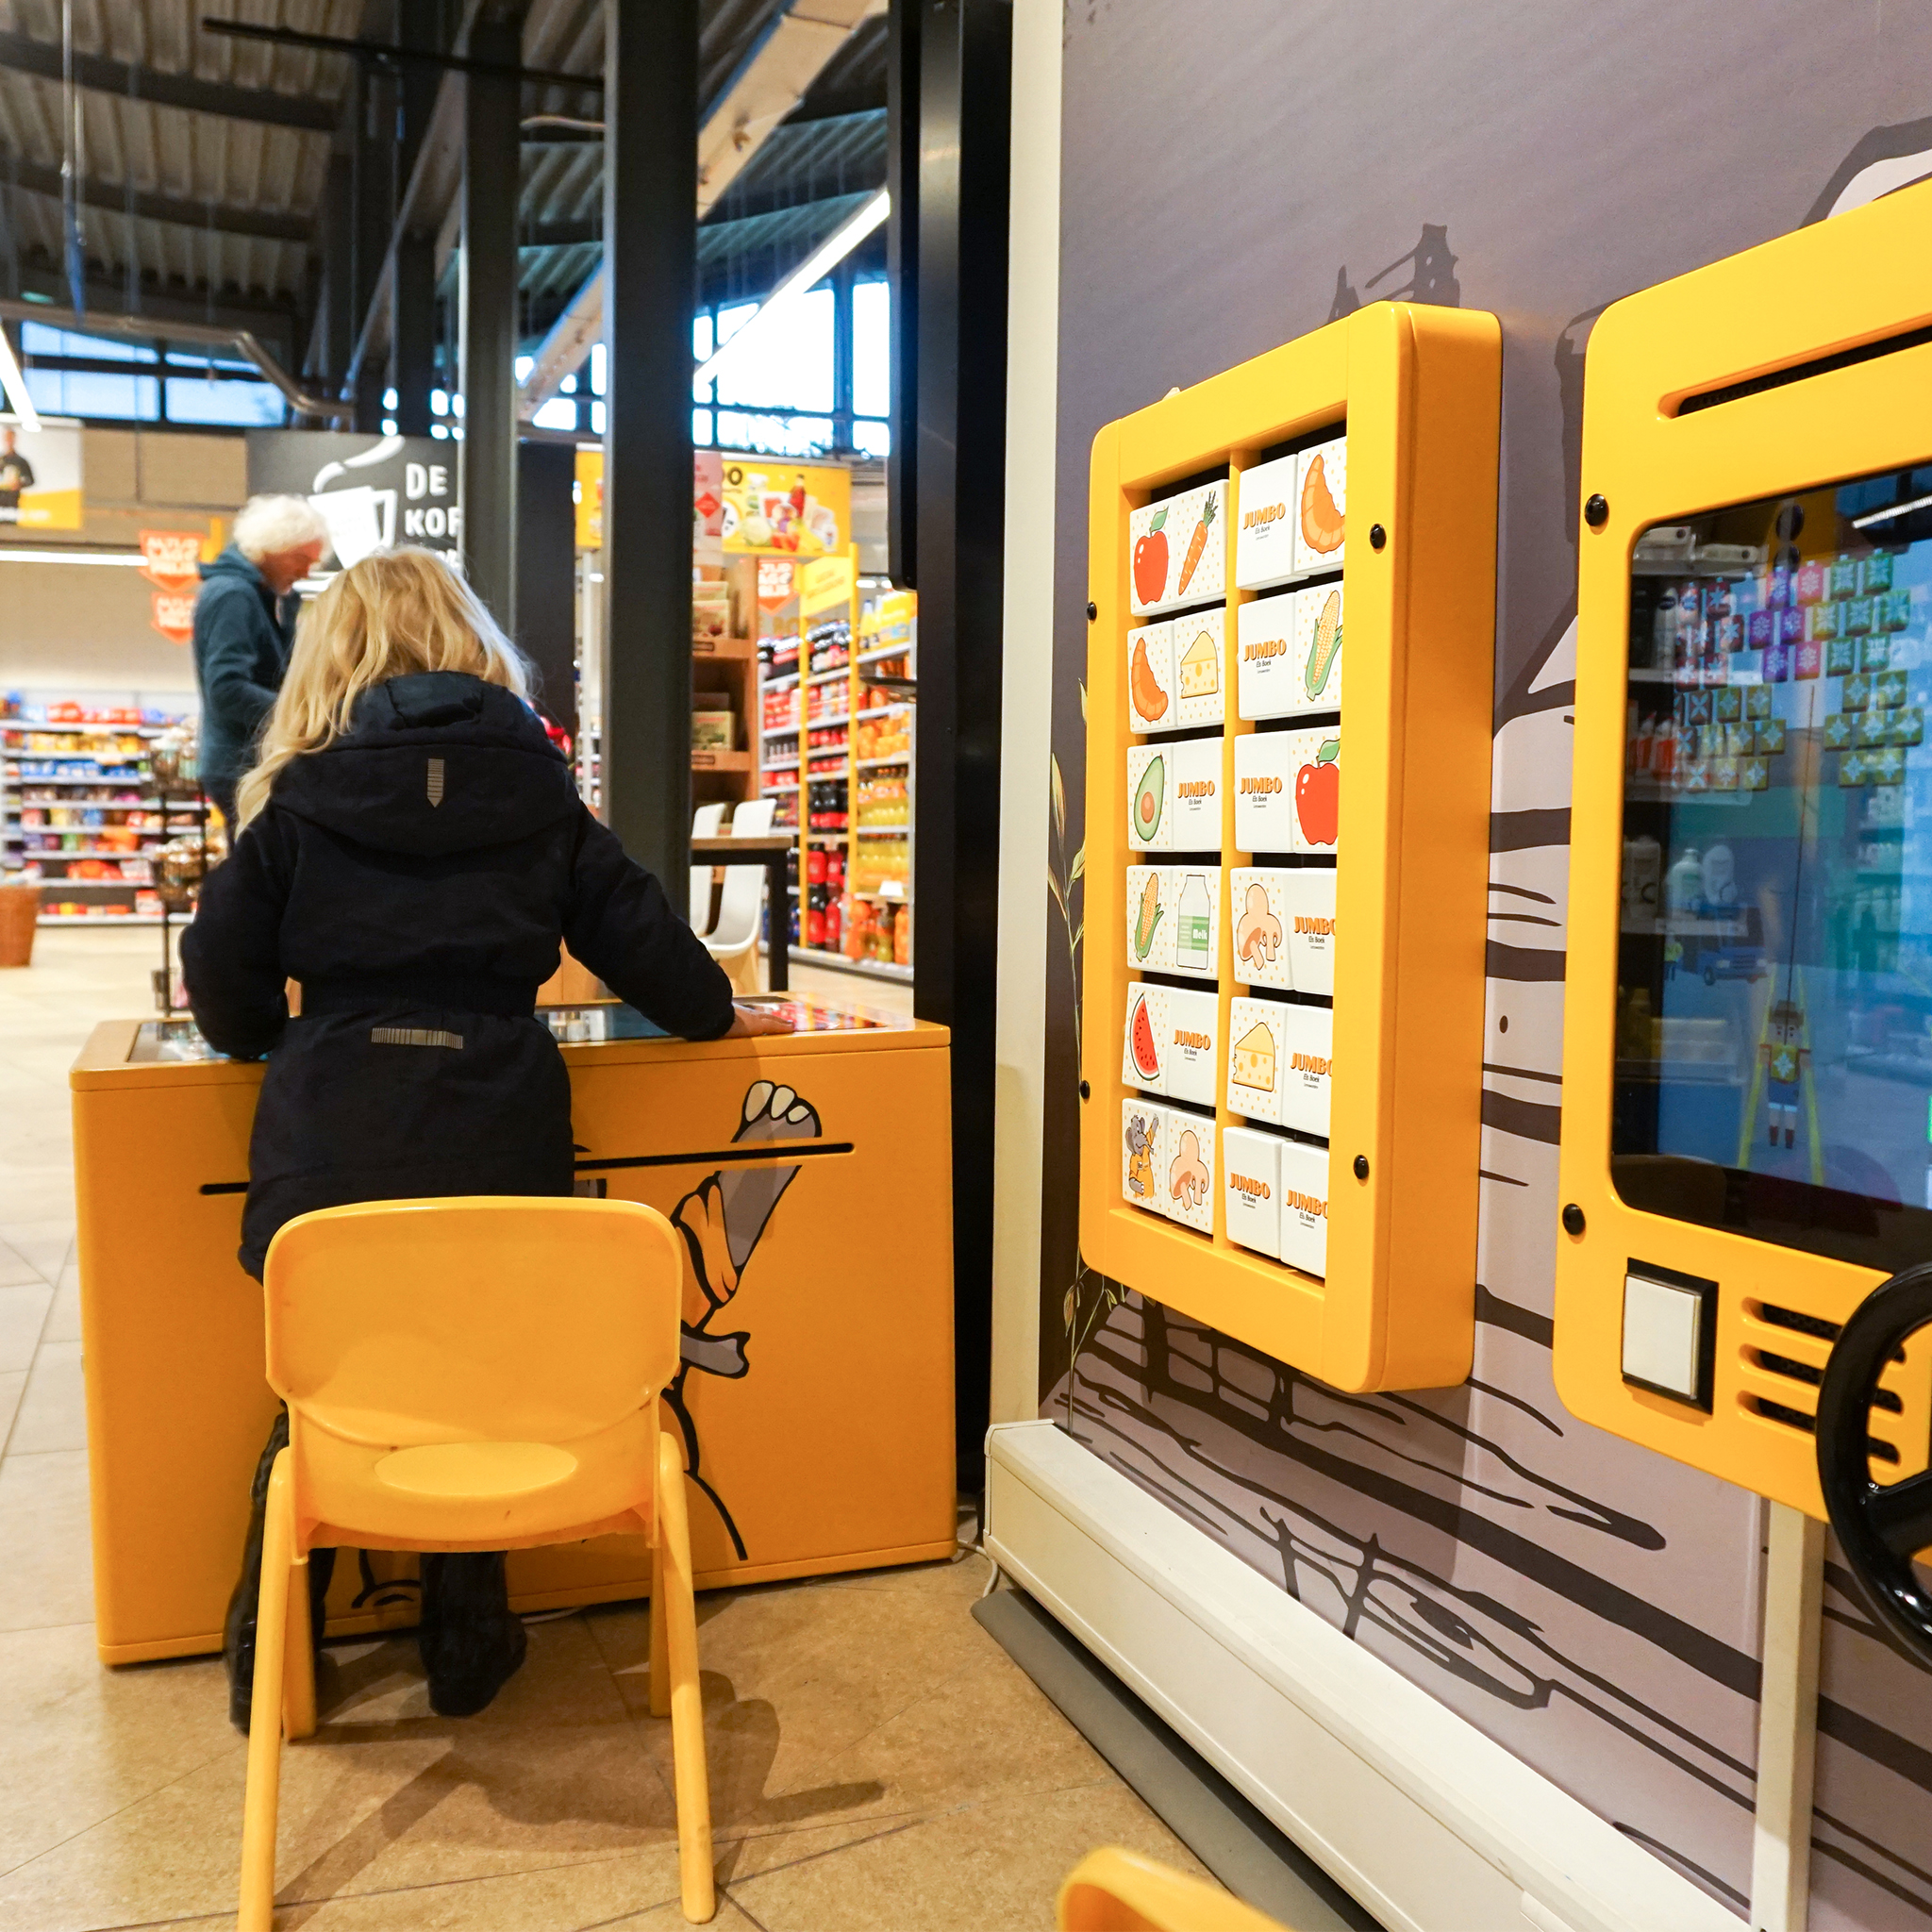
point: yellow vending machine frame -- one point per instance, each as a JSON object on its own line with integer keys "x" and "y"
{"x": 1793, "y": 367}
{"x": 1416, "y": 392}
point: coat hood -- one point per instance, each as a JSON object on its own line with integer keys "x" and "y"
{"x": 231, "y": 567}
{"x": 433, "y": 763}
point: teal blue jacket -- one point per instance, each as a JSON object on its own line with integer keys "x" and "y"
{"x": 242, "y": 644}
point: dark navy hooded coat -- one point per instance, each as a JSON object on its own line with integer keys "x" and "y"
{"x": 415, "y": 879}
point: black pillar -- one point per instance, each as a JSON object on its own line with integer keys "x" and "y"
{"x": 650, "y": 278}
{"x": 338, "y": 269}
{"x": 373, "y": 155}
{"x": 412, "y": 339}
{"x": 487, "y": 327}
{"x": 546, "y": 574}
{"x": 963, "y": 63}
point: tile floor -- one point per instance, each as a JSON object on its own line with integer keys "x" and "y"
{"x": 876, "y": 1760}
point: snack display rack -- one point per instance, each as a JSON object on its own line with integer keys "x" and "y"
{"x": 1284, "y": 970}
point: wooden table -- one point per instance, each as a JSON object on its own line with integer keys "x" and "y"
{"x": 774, "y": 850}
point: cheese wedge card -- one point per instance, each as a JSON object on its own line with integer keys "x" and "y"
{"x": 1264, "y": 543}
{"x": 1265, "y": 763}
{"x": 1150, "y": 797}
{"x": 1198, "y": 652}
{"x": 1321, "y": 505}
{"x": 1317, "y": 653}
{"x": 1258, "y": 906}
{"x": 1144, "y": 1053}
{"x": 1309, "y": 913}
{"x": 1255, "y": 1058}
{"x": 1314, "y": 758}
{"x": 1193, "y": 818}
{"x": 1179, "y": 550}
{"x": 1186, "y": 1182}
{"x": 1308, "y": 1049}
{"x": 1187, "y": 1049}
{"x": 1196, "y": 920}
{"x": 1143, "y": 1145}
{"x": 1265, "y": 679}
{"x": 1150, "y": 678}
{"x": 1251, "y": 1189}
{"x": 1150, "y": 920}
{"x": 1304, "y": 1207}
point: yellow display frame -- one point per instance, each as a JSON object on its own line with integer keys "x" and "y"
{"x": 1845, "y": 283}
{"x": 1418, "y": 390}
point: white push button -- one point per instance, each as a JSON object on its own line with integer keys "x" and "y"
{"x": 1663, "y": 1336}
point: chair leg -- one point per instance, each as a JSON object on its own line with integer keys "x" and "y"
{"x": 298, "y": 1662}
{"x": 687, "y": 1708}
{"x": 660, "y": 1654}
{"x": 265, "y": 1717}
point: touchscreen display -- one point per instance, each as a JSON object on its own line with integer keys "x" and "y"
{"x": 1774, "y": 1025}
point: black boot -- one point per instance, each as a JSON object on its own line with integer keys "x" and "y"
{"x": 472, "y": 1642}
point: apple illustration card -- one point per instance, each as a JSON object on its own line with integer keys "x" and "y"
{"x": 1188, "y": 1047}
{"x": 1309, "y": 909}
{"x": 1318, "y": 648}
{"x": 1251, "y": 1170}
{"x": 1304, "y": 1207}
{"x": 1266, "y": 679}
{"x": 1264, "y": 543}
{"x": 1149, "y": 783}
{"x": 1143, "y": 1138}
{"x": 1322, "y": 506}
{"x": 1150, "y": 920}
{"x": 1260, "y": 926}
{"x": 1196, "y": 891}
{"x": 1255, "y": 1058}
{"x": 1150, "y": 678}
{"x": 1307, "y": 1047}
{"x": 1143, "y": 1055}
{"x": 1316, "y": 757}
{"x": 1198, "y": 665}
{"x": 1187, "y": 1194}
{"x": 1193, "y": 818}
{"x": 1178, "y": 550}
{"x": 1264, "y": 769}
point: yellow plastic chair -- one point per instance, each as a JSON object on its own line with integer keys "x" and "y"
{"x": 1113, "y": 1891}
{"x": 480, "y": 1373}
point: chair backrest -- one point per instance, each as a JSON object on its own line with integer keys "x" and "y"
{"x": 1117, "y": 1890}
{"x": 738, "y": 903}
{"x": 705, "y": 822}
{"x": 486, "y": 1316}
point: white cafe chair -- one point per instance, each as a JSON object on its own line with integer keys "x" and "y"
{"x": 704, "y": 824}
{"x": 734, "y": 940}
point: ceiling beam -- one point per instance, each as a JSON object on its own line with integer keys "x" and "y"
{"x": 95, "y": 72}
{"x": 113, "y": 197}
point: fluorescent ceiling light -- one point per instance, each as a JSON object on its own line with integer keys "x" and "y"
{"x": 14, "y": 383}
{"x": 813, "y": 269}
{"x": 132, "y": 560}
{"x": 1885, "y": 516}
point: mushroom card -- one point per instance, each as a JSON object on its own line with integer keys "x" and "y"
{"x": 1187, "y": 1181}
{"x": 1258, "y": 903}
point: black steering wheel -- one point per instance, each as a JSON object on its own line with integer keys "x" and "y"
{"x": 1881, "y": 1527}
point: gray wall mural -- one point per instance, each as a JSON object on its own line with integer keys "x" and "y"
{"x": 1236, "y": 172}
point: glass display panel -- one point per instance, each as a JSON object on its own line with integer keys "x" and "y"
{"x": 1773, "y": 1025}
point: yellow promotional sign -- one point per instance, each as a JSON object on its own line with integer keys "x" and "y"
{"x": 775, "y": 508}
{"x": 823, "y": 584}
{"x": 590, "y": 495}
{"x": 40, "y": 475}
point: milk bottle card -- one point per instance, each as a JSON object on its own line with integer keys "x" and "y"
{"x": 1308, "y": 1048}
{"x": 1251, "y": 1189}
{"x": 1255, "y": 1058}
{"x": 1143, "y": 1140}
{"x": 1144, "y": 1053}
{"x": 1179, "y": 550}
{"x": 1187, "y": 1049}
{"x": 1264, "y": 544}
{"x": 1266, "y": 683}
{"x": 1149, "y": 806}
{"x": 1264, "y": 769}
{"x": 1193, "y": 819}
{"x": 1257, "y": 900}
{"x": 1150, "y": 920}
{"x": 1304, "y": 1207}
{"x": 1150, "y": 678}
{"x": 1187, "y": 1192}
{"x": 1309, "y": 913}
{"x": 1198, "y": 654}
{"x": 1318, "y": 648}
{"x": 1322, "y": 506}
{"x": 1196, "y": 920}
{"x": 1314, "y": 760}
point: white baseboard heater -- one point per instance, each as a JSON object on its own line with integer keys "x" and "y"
{"x": 1431, "y": 1824}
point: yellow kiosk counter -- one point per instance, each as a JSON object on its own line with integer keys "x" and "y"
{"x": 811, "y": 1176}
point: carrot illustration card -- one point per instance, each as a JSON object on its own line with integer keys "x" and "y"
{"x": 1179, "y": 550}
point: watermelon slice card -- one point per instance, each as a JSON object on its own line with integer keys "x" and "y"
{"x": 1143, "y": 1052}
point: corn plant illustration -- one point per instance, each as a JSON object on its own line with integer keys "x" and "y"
{"x": 722, "y": 1220}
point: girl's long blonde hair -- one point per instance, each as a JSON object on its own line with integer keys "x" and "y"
{"x": 396, "y": 611}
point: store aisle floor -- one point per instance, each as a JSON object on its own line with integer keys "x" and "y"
{"x": 876, "y": 1760}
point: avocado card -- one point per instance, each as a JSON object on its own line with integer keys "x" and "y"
{"x": 1269, "y": 503}
{"x": 1308, "y": 915}
{"x": 1265, "y": 677}
{"x": 1198, "y": 668}
{"x": 1264, "y": 791}
{"x": 1150, "y": 788}
{"x": 1314, "y": 762}
{"x": 1318, "y": 648}
{"x": 1251, "y": 1189}
{"x": 1321, "y": 505}
{"x": 1307, "y": 1058}
{"x": 1258, "y": 904}
{"x": 1255, "y": 1058}
{"x": 1143, "y": 1144}
{"x": 1150, "y": 678}
{"x": 1196, "y": 891}
{"x": 1150, "y": 920}
{"x": 1188, "y": 1047}
{"x": 1178, "y": 550}
{"x": 1187, "y": 1180}
{"x": 1194, "y": 816}
{"x": 1304, "y": 1207}
{"x": 1144, "y": 1050}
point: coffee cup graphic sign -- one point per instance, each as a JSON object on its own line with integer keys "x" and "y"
{"x": 371, "y": 491}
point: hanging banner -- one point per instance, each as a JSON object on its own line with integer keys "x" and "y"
{"x": 370, "y": 490}
{"x": 824, "y": 584}
{"x": 790, "y": 509}
{"x": 590, "y": 499}
{"x": 706, "y": 507}
{"x": 171, "y": 560}
{"x": 40, "y": 475}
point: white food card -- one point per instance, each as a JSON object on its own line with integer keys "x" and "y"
{"x": 1251, "y": 1181}
{"x": 1304, "y": 1207}
{"x": 1264, "y": 768}
{"x": 1150, "y": 920}
{"x": 1256, "y": 1057}
{"x": 1150, "y": 797}
{"x": 1193, "y": 819}
{"x": 1178, "y": 550}
{"x": 1265, "y": 680}
{"x": 1199, "y": 655}
{"x": 1186, "y": 1184}
{"x": 1321, "y": 505}
{"x": 1308, "y": 1049}
{"x": 1144, "y": 1050}
{"x": 1143, "y": 1146}
{"x": 1317, "y": 655}
{"x": 1258, "y": 906}
{"x": 1309, "y": 913}
{"x": 1150, "y": 678}
{"x": 1187, "y": 1050}
{"x": 1314, "y": 764}
{"x": 1264, "y": 544}
{"x": 1196, "y": 891}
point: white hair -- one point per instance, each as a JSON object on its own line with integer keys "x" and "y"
{"x": 270, "y": 525}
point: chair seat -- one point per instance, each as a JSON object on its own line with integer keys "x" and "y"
{"x": 475, "y": 1471}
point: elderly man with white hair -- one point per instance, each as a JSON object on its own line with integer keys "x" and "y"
{"x": 244, "y": 626}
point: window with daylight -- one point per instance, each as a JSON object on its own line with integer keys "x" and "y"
{"x": 150, "y": 391}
